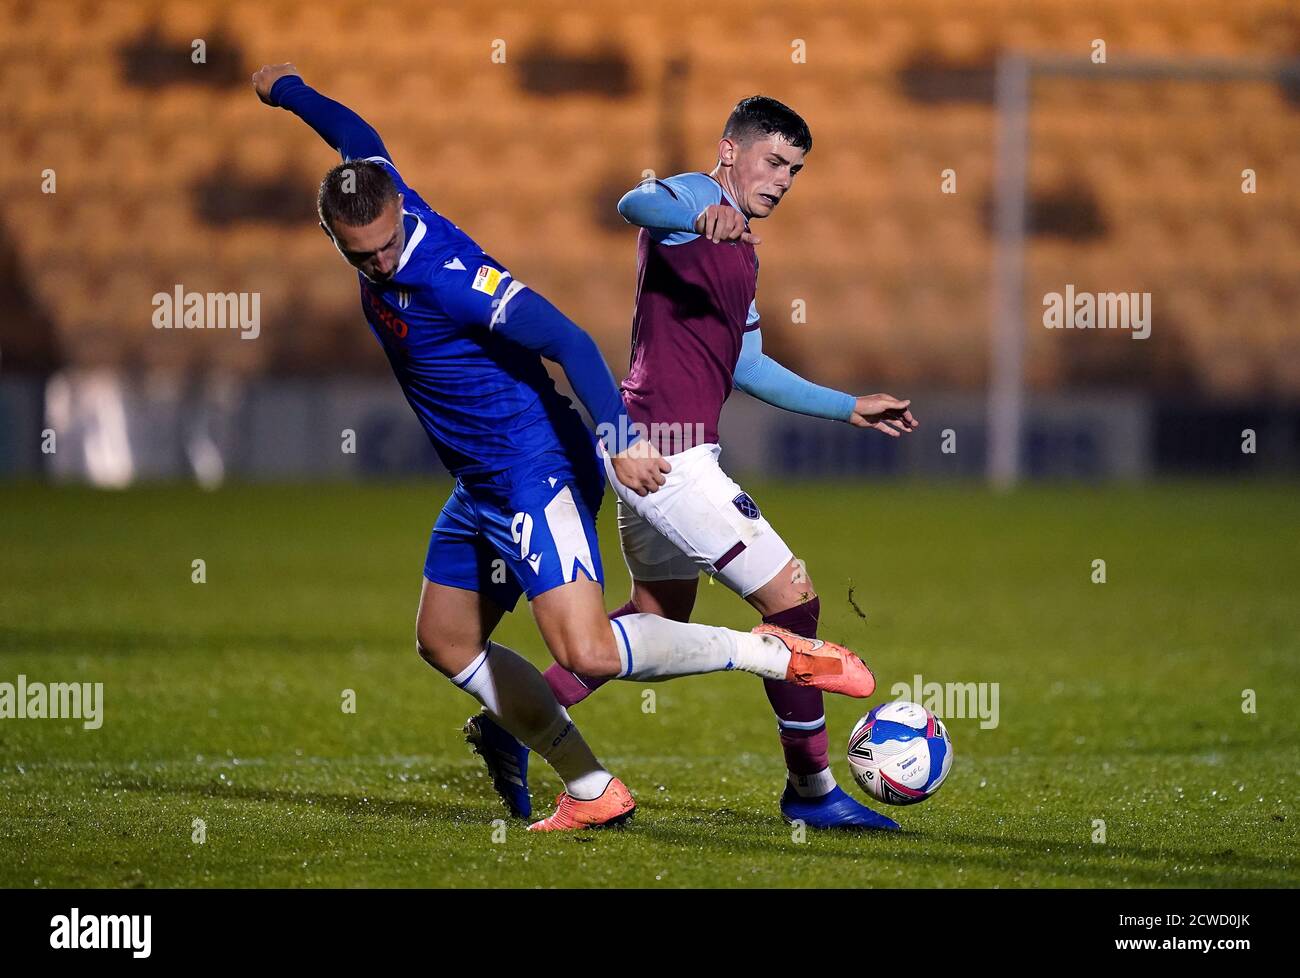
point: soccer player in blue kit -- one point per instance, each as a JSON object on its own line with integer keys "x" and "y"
{"x": 465, "y": 340}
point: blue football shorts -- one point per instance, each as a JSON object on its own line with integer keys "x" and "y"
{"x": 526, "y": 530}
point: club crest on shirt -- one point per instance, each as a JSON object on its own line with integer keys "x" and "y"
{"x": 403, "y": 298}
{"x": 748, "y": 508}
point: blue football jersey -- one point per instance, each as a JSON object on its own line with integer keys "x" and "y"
{"x": 485, "y": 402}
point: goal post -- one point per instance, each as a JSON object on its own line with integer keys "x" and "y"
{"x": 1014, "y": 77}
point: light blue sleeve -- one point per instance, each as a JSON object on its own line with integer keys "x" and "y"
{"x": 667, "y": 208}
{"x": 760, "y": 376}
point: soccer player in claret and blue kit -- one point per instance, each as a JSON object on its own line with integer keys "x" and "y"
{"x": 465, "y": 340}
{"x": 695, "y": 337}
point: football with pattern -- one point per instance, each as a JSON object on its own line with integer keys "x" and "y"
{"x": 900, "y": 753}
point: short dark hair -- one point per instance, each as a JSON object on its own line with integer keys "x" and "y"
{"x": 354, "y": 193}
{"x": 760, "y": 114}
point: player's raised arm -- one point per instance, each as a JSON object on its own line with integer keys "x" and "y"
{"x": 762, "y": 377}
{"x": 282, "y": 87}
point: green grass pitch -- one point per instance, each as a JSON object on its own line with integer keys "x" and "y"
{"x": 1120, "y": 702}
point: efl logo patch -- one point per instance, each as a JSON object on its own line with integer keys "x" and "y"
{"x": 487, "y": 279}
{"x": 746, "y": 505}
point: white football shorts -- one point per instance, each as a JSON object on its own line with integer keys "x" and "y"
{"x": 699, "y": 520}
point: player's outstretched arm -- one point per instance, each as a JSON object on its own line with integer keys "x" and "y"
{"x": 282, "y": 87}
{"x": 762, "y": 377}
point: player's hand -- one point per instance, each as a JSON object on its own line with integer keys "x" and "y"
{"x": 719, "y": 222}
{"x": 641, "y": 468}
{"x": 268, "y": 75}
{"x": 884, "y": 412}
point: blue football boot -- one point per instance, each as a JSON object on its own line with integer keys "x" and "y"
{"x": 506, "y": 760}
{"x": 833, "y": 810}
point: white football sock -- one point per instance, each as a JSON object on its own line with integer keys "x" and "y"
{"x": 812, "y": 785}
{"x": 653, "y": 648}
{"x": 518, "y": 698}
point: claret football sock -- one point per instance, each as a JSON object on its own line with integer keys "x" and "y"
{"x": 518, "y": 698}
{"x": 800, "y": 712}
{"x": 568, "y": 686}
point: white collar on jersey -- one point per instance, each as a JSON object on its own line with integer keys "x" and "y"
{"x": 416, "y": 237}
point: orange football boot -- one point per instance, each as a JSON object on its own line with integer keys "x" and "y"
{"x": 825, "y": 665}
{"x": 614, "y": 807}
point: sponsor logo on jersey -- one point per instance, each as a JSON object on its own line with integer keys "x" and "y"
{"x": 487, "y": 279}
{"x": 383, "y": 315}
{"x": 748, "y": 508}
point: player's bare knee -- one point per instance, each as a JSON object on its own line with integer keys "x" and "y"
{"x": 800, "y": 580}
{"x": 428, "y": 648}
{"x": 599, "y": 664}
{"x": 790, "y": 588}
{"x": 590, "y": 655}
{"x": 425, "y": 652}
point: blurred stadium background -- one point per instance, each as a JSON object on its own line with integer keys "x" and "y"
{"x": 170, "y": 172}
{"x": 1133, "y": 703}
